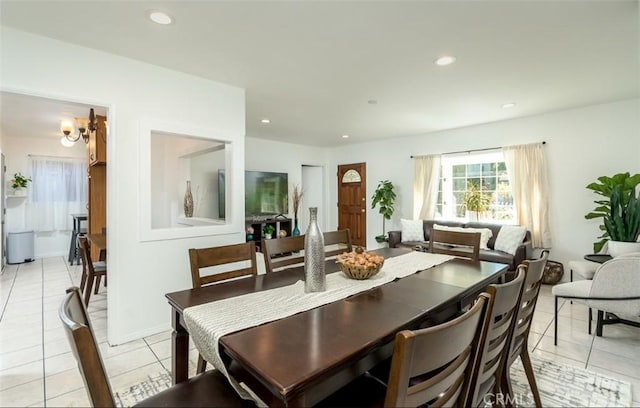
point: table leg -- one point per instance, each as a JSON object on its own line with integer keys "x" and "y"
{"x": 180, "y": 350}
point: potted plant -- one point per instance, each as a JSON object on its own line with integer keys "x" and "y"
{"x": 385, "y": 197}
{"x": 19, "y": 183}
{"x": 620, "y": 212}
{"x": 268, "y": 231}
{"x": 475, "y": 201}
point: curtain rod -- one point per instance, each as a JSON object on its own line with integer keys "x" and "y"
{"x": 474, "y": 150}
{"x": 56, "y": 157}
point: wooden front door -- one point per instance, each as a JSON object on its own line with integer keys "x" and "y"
{"x": 352, "y": 201}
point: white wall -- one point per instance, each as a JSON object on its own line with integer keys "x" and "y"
{"x": 16, "y": 150}
{"x": 265, "y": 155}
{"x": 140, "y": 273}
{"x": 582, "y": 144}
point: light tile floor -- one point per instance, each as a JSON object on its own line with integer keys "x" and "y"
{"x": 37, "y": 368}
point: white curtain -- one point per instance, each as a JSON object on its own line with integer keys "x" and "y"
{"x": 58, "y": 189}
{"x": 425, "y": 186}
{"x": 527, "y": 169}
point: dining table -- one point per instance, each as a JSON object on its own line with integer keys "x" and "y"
{"x": 301, "y": 359}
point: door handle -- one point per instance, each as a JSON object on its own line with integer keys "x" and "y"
{"x": 363, "y": 210}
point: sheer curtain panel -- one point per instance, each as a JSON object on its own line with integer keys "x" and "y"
{"x": 527, "y": 170}
{"x": 425, "y": 186}
{"x": 58, "y": 189}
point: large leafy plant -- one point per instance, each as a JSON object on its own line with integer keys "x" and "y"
{"x": 620, "y": 210}
{"x": 385, "y": 197}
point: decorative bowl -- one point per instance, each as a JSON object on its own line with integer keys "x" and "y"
{"x": 360, "y": 265}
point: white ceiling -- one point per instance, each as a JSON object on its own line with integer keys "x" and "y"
{"x": 312, "y": 66}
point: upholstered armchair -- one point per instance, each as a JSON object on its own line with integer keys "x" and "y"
{"x": 614, "y": 292}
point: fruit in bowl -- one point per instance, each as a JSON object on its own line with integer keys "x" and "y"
{"x": 360, "y": 264}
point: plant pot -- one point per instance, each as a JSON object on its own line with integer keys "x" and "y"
{"x": 381, "y": 238}
{"x": 267, "y": 236}
{"x": 20, "y": 192}
{"x": 617, "y": 248}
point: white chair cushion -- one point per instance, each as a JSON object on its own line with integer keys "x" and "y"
{"x": 412, "y": 230}
{"x": 485, "y": 233}
{"x": 586, "y": 269}
{"x": 580, "y": 288}
{"x": 509, "y": 238}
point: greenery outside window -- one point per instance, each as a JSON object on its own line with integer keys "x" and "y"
{"x": 484, "y": 170}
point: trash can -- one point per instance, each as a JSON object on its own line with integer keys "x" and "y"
{"x": 19, "y": 246}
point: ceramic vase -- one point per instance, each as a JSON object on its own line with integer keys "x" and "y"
{"x": 314, "y": 276}
{"x": 188, "y": 201}
{"x": 296, "y": 230}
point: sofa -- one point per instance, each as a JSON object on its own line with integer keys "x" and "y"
{"x": 523, "y": 251}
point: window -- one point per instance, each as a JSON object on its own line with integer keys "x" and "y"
{"x": 58, "y": 189}
{"x": 488, "y": 173}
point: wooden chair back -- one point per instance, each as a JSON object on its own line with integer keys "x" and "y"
{"x": 533, "y": 270}
{"x": 77, "y": 326}
{"x": 494, "y": 340}
{"x": 463, "y": 244}
{"x": 281, "y": 252}
{"x": 342, "y": 238}
{"x": 211, "y": 389}
{"x": 90, "y": 274}
{"x": 518, "y": 340}
{"x": 432, "y": 366}
{"x": 215, "y": 256}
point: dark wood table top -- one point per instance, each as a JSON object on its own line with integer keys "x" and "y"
{"x": 320, "y": 344}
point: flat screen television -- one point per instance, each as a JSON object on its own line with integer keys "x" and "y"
{"x": 265, "y": 193}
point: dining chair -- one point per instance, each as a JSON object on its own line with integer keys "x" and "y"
{"x": 337, "y": 242}
{"x": 201, "y": 258}
{"x": 429, "y": 367}
{"x": 204, "y": 390}
{"x": 281, "y": 252}
{"x": 502, "y": 308}
{"x": 91, "y": 271}
{"x": 462, "y": 244}
{"x": 615, "y": 289}
{"x": 518, "y": 342}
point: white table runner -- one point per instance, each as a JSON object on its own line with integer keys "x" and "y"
{"x": 207, "y": 323}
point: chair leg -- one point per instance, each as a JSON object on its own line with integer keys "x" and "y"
{"x": 528, "y": 370}
{"x": 99, "y": 278}
{"x": 599, "y": 323}
{"x": 505, "y": 386}
{"x": 555, "y": 323}
{"x": 590, "y": 319}
{"x": 202, "y": 364}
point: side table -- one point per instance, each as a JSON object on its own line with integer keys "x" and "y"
{"x": 598, "y": 258}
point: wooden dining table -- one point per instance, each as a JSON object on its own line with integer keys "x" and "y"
{"x": 301, "y": 359}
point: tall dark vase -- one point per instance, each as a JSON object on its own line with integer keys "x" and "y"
{"x": 296, "y": 230}
{"x": 314, "y": 276}
{"x": 188, "y": 201}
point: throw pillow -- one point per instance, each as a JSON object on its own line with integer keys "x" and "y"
{"x": 509, "y": 238}
{"x": 485, "y": 233}
{"x": 412, "y": 230}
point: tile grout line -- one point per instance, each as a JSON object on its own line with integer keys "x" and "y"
{"x": 13, "y": 282}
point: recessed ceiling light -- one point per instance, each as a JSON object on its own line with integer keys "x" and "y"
{"x": 265, "y": 120}
{"x": 508, "y": 105}
{"x": 445, "y": 60}
{"x": 372, "y": 102}
{"x": 160, "y": 17}
{"x": 345, "y": 136}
